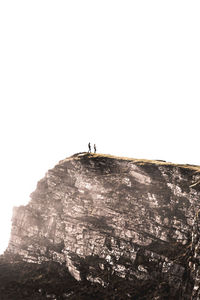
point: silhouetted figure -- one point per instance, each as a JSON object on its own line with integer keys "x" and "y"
{"x": 89, "y": 148}
{"x": 95, "y": 148}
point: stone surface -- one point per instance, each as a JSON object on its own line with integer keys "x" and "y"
{"x": 108, "y": 218}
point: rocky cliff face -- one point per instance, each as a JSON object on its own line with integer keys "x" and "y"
{"x": 109, "y": 218}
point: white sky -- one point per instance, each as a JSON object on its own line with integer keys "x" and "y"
{"x": 122, "y": 74}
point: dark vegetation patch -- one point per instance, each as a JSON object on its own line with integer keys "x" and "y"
{"x": 100, "y": 165}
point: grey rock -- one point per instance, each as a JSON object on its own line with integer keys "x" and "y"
{"x": 136, "y": 218}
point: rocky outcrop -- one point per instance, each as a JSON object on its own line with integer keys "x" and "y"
{"x": 113, "y": 219}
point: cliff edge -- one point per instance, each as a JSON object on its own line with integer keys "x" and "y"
{"x": 116, "y": 220}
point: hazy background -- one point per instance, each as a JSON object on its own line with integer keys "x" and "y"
{"x": 122, "y": 74}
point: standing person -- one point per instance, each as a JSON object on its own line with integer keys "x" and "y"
{"x": 95, "y": 148}
{"x": 89, "y": 148}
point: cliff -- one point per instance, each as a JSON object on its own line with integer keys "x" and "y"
{"x": 115, "y": 222}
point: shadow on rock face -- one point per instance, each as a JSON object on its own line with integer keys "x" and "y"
{"x": 21, "y": 280}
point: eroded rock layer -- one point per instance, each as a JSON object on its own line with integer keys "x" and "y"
{"x": 106, "y": 217}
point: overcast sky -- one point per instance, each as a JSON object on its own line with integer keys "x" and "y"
{"x": 122, "y": 74}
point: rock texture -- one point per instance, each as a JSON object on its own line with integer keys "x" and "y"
{"x": 110, "y": 219}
